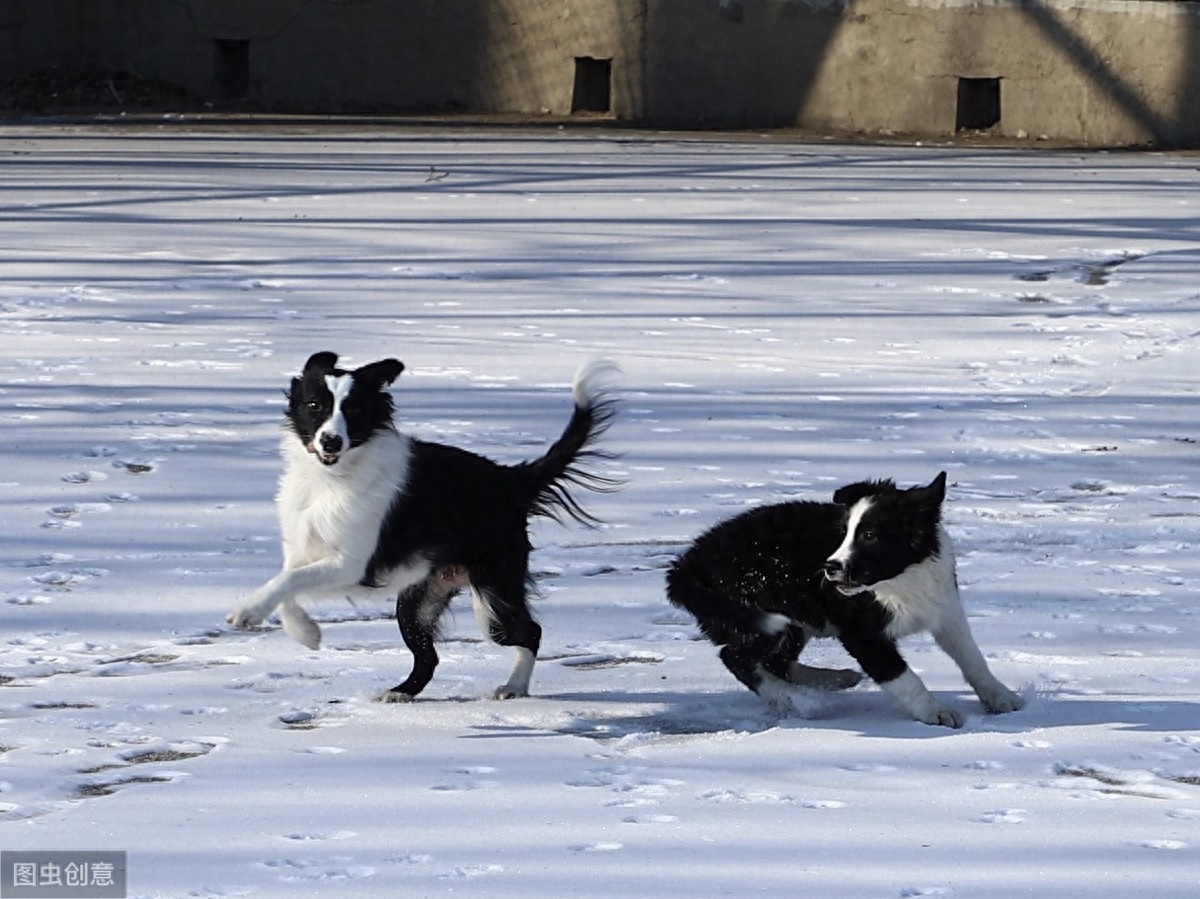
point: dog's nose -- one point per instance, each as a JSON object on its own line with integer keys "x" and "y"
{"x": 331, "y": 443}
{"x": 833, "y": 569}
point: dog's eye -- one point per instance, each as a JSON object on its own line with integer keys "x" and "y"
{"x": 867, "y": 535}
{"x": 313, "y": 405}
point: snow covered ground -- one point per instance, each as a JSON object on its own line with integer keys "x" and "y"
{"x": 789, "y": 317}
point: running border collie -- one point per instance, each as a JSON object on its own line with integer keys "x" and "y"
{"x": 869, "y": 568}
{"x": 363, "y": 506}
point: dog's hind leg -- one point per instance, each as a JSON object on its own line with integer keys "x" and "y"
{"x": 784, "y": 664}
{"x": 744, "y": 664}
{"x": 418, "y": 609}
{"x": 828, "y": 679}
{"x": 762, "y": 669}
{"x": 504, "y": 617}
{"x": 761, "y": 663}
{"x": 779, "y": 659}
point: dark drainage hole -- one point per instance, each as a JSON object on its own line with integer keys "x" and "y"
{"x": 978, "y": 104}
{"x": 593, "y": 85}
{"x": 231, "y": 68}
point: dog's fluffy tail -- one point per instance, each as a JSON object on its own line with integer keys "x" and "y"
{"x": 553, "y": 475}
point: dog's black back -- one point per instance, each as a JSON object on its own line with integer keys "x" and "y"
{"x": 766, "y": 560}
{"x": 458, "y": 508}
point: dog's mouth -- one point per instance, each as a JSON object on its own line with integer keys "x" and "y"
{"x": 844, "y": 585}
{"x": 323, "y": 457}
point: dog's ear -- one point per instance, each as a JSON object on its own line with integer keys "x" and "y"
{"x": 381, "y": 373}
{"x": 850, "y": 494}
{"x": 321, "y": 362}
{"x": 931, "y": 494}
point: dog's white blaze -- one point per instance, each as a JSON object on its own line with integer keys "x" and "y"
{"x": 857, "y": 511}
{"x": 340, "y": 386}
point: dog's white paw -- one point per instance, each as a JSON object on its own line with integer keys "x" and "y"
{"x": 504, "y": 691}
{"x": 300, "y": 627}
{"x": 943, "y": 717}
{"x": 789, "y": 699}
{"x": 244, "y": 616}
{"x": 1002, "y": 700}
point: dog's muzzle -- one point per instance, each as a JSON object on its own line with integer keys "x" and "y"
{"x": 327, "y": 448}
{"x": 837, "y": 574}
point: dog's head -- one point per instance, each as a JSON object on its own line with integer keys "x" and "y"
{"x": 887, "y": 530}
{"x": 332, "y": 411}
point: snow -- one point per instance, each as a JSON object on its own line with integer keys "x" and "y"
{"x": 788, "y": 317}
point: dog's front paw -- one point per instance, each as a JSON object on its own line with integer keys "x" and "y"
{"x": 506, "y": 692}
{"x": 943, "y": 717}
{"x": 395, "y": 696}
{"x": 1002, "y": 700}
{"x": 299, "y": 626}
{"x": 244, "y": 616}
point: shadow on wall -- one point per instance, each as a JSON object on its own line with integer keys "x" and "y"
{"x": 1189, "y": 100}
{"x": 733, "y": 63}
{"x": 1159, "y": 129}
{"x": 442, "y": 56}
{"x": 756, "y": 63}
{"x": 352, "y": 58}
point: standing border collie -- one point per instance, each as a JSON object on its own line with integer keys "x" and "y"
{"x": 869, "y": 568}
{"x": 363, "y": 506}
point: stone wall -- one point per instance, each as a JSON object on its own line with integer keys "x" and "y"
{"x": 1094, "y": 71}
{"x": 1104, "y": 72}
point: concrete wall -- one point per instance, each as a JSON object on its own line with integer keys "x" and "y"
{"x": 380, "y": 55}
{"x": 1105, "y": 72}
{"x": 1095, "y": 71}
{"x": 37, "y": 34}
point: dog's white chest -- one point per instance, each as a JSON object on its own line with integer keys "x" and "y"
{"x": 323, "y": 513}
{"x": 920, "y": 596}
{"x": 314, "y": 522}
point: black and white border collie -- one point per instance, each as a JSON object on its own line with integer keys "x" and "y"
{"x": 869, "y": 568}
{"x": 362, "y": 506}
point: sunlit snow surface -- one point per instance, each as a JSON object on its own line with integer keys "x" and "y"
{"x": 788, "y": 317}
